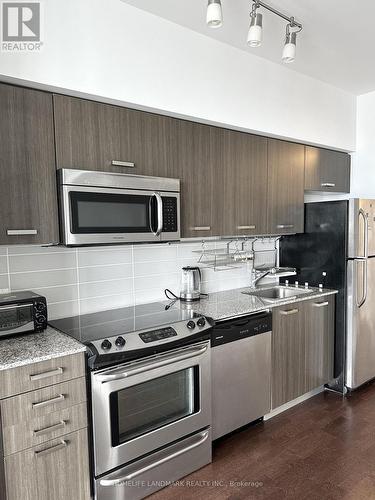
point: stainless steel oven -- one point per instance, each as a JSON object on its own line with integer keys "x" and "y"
{"x": 140, "y": 407}
{"x": 107, "y": 208}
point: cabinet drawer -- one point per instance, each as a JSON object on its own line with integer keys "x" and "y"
{"x": 57, "y": 470}
{"x": 26, "y": 434}
{"x": 31, "y": 405}
{"x": 36, "y": 375}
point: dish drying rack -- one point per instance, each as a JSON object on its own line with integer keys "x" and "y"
{"x": 235, "y": 254}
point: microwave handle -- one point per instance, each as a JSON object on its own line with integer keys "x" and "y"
{"x": 159, "y": 208}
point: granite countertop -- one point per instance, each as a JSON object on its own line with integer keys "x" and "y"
{"x": 35, "y": 347}
{"x": 232, "y": 303}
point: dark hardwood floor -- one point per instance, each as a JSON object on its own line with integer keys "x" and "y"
{"x": 321, "y": 449}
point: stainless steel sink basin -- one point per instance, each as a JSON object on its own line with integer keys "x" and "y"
{"x": 277, "y": 293}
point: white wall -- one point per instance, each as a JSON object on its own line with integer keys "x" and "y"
{"x": 363, "y": 179}
{"x": 109, "y": 49}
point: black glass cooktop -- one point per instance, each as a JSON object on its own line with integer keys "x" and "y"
{"x": 88, "y": 328}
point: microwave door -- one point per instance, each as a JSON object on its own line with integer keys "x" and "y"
{"x": 104, "y": 216}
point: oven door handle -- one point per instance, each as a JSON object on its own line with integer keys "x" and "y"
{"x": 147, "y": 366}
{"x": 203, "y": 436}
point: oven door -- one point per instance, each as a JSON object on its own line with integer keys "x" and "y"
{"x": 142, "y": 406}
{"x": 107, "y": 215}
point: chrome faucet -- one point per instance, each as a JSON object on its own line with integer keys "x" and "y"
{"x": 256, "y": 276}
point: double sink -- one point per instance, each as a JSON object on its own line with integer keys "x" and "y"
{"x": 277, "y": 293}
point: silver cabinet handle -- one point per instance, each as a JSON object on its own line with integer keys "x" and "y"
{"x": 114, "y": 482}
{"x": 52, "y": 449}
{"x": 51, "y": 373}
{"x": 142, "y": 367}
{"x": 321, "y": 304}
{"x": 117, "y": 163}
{"x": 20, "y": 232}
{"x": 285, "y": 226}
{"x": 51, "y": 428}
{"x": 328, "y": 185}
{"x": 246, "y": 227}
{"x": 47, "y": 402}
{"x": 290, "y": 312}
{"x": 202, "y": 228}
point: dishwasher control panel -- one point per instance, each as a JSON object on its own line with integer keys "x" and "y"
{"x": 240, "y": 328}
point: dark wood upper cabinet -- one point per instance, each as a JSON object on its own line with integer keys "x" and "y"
{"x": 198, "y": 165}
{"x": 286, "y": 163}
{"x": 244, "y": 180}
{"x": 91, "y": 135}
{"x": 28, "y": 200}
{"x": 327, "y": 170}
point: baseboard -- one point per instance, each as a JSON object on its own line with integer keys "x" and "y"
{"x": 295, "y": 402}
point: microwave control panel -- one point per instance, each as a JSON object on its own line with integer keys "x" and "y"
{"x": 169, "y": 214}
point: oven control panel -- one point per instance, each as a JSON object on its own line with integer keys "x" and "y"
{"x": 154, "y": 335}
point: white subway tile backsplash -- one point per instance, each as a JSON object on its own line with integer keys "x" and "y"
{"x": 3, "y": 264}
{"x": 85, "y": 280}
{"x": 59, "y": 293}
{"x": 102, "y": 257}
{"x": 102, "y": 273}
{"x": 102, "y": 288}
{"x": 154, "y": 253}
{"x": 31, "y": 280}
{"x": 63, "y": 309}
{"x": 41, "y": 262}
{"x": 102, "y": 303}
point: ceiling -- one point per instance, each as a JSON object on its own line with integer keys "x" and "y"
{"x": 336, "y": 45}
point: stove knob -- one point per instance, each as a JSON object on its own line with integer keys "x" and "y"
{"x": 201, "y": 322}
{"x": 120, "y": 342}
{"x": 191, "y": 325}
{"x": 106, "y": 345}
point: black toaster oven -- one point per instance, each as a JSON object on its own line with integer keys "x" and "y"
{"x": 22, "y": 312}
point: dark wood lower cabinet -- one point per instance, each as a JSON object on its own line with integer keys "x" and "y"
{"x": 28, "y": 199}
{"x": 288, "y": 353}
{"x": 302, "y": 348}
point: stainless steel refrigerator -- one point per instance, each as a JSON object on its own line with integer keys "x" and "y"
{"x": 338, "y": 250}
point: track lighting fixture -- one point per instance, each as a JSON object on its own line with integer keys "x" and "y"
{"x": 254, "y": 38}
{"x": 214, "y": 14}
{"x": 289, "y": 51}
{"x": 255, "y": 35}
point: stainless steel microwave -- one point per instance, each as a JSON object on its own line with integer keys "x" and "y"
{"x": 98, "y": 208}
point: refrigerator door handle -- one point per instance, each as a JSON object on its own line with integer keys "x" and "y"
{"x": 363, "y": 214}
{"x": 363, "y": 299}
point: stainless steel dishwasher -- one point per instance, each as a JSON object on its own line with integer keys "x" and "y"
{"x": 241, "y": 371}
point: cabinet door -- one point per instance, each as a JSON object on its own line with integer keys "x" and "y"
{"x": 28, "y": 200}
{"x": 244, "y": 206}
{"x": 285, "y": 187}
{"x": 320, "y": 331}
{"x": 198, "y": 164}
{"x": 58, "y": 469}
{"x": 288, "y": 353}
{"x": 91, "y": 135}
{"x": 327, "y": 170}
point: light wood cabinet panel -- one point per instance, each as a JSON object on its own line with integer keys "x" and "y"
{"x": 319, "y": 331}
{"x": 37, "y": 375}
{"x": 57, "y": 470}
{"x": 244, "y": 206}
{"x": 198, "y": 165}
{"x": 90, "y": 135}
{"x": 38, "y": 430}
{"x": 327, "y": 170}
{"x": 28, "y": 200}
{"x": 286, "y": 162}
{"x": 288, "y": 353}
